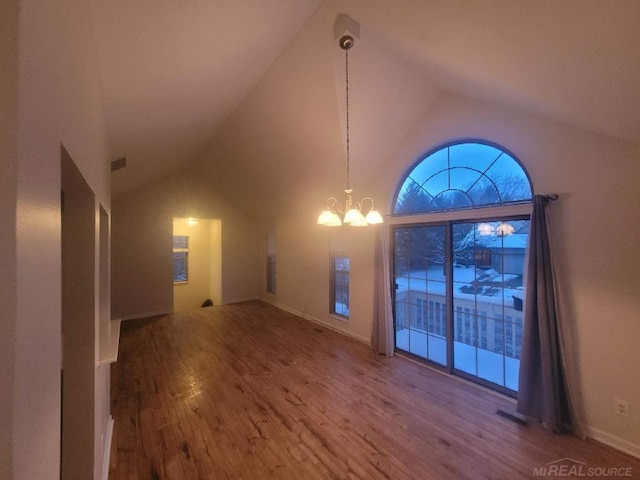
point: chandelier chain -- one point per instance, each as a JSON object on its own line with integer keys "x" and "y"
{"x": 346, "y": 56}
{"x": 352, "y": 213}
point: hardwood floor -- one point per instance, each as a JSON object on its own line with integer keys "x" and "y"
{"x": 248, "y": 391}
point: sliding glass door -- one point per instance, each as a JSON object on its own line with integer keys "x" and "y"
{"x": 458, "y": 297}
{"x": 420, "y": 292}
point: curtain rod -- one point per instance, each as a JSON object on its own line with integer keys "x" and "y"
{"x": 551, "y": 197}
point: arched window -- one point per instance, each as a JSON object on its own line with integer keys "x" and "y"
{"x": 460, "y": 176}
{"x": 458, "y": 280}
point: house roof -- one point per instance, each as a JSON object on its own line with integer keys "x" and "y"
{"x": 516, "y": 240}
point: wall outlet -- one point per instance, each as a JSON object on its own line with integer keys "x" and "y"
{"x": 621, "y": 407}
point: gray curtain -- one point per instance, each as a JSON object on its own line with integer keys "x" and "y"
{"x": 543, "y": 390}
{"x": 382, "y": 340}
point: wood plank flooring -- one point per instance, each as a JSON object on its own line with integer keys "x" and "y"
{"x": 247, "y": 391}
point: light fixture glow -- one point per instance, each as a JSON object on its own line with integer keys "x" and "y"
{"x": 374, "y": 217}
{"x": 485, "y": 229}
{"x": 329, "y": 219}
{"x": 192, "y": 221}
{"x": 354, "y": 214}
{"x": 354, "y": 217}
{"x": 504, "y": 229}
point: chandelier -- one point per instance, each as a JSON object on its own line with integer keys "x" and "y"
{"x": 350, "y": 213}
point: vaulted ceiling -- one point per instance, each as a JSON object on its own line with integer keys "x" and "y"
{"x": 251, "y": 92}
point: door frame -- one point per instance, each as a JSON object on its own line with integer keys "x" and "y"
{"x": 440, "y": 219}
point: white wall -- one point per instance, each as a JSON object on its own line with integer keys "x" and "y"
{"x": 596, "y": 228}
{"x": 8, "y": 188}
{"x": 58, "y": 94}
{"x": 142, "y": 229}
{"x": 141, "y": 269}
{"x": 215, "y": 267}
{"x": 79, "y": 327}
{"x": 303, "y": 266}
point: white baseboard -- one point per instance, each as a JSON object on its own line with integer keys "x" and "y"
{"x": 614, "y": 441}
{"x": 240, "y": 300}
{"x": 106, "y": 454}
{"x": 318, "y": 321}
{"x": 145, "y": 315}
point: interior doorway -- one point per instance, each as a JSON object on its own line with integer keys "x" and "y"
{"x": 197, "y": 262}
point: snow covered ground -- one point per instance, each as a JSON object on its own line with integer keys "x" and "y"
{"x": 433, "y": 281}
{"x": 485, "y": 364}
{"x": 492, "y": 295}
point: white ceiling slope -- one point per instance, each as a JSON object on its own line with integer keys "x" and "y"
{"x": 574, "y": 60}
{"x": 253, "y": 89}
{"x": 286, "y": 141}
{"x": 173, "y": 71}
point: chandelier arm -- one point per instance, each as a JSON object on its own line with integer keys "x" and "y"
{"x": 361, "y": 203}
{"x": 334, "y": 205}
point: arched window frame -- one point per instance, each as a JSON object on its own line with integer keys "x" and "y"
{"x": 506, "y": 209}
{"x": 445, "y": 221}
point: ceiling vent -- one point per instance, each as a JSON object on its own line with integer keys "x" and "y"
{"x": 118, "y": 164}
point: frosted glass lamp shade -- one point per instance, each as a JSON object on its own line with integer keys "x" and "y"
{"x": 353, "y": 216}
{"x": 329, "y": 219}
{"x": 335, "y": 220}
{"x": 373, "y": 217}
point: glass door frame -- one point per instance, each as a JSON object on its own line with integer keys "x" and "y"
{"x": 449, "y": 307}
{"x": 448, "y": 291}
